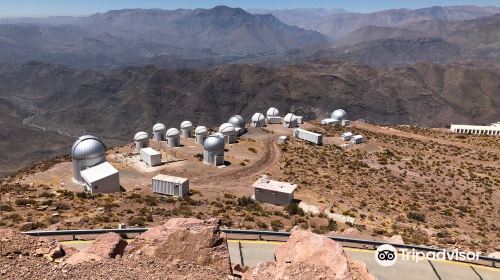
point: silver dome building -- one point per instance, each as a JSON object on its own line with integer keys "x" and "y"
{"x": 339, "y": 115}
{"x": 159, "y": 132}
{"x": 291, "y": 120}
{"x": 173, "y": 137}
{"x": 258, "y": 120}
{"x": 200, "y": 132}
{"x": 186, "y": 129}
{"x": 239, "y": 124}
{"x": 87, "y": 151}
{"x": 229, "y": 132}
{"x": 273, "y": 115}
{"x": 213, "y": 150}
{"x": 141, "y": 140}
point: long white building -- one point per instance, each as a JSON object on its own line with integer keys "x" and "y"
{"x": 493, "y": 129}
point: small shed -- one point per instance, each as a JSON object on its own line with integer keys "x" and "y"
{"x": 170, "y": 185}
{"x": 330, "y": 121}
{"x": 273, "y": 192}
{"x": 102, "y": 178}
{"x": 282, "y": 139}
{"x": 150, "y": 156}
{"x": 346, "y": 136}
{"x": 357, "y": 139}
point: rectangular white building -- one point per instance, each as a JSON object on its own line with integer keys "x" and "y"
{"x": 170, "y": 185}
{"x": 273, "y": 192}
{"x": 282, "y": 139}
{"x": 102, "y": 178}
{"x": 150, "y": 156}
{"x": 313, "y": 137}
{"x": 346, "y": 136}
{"x": 357, "y": 139}
{"x": 493, "y": 129}
{"x": 330, "y": 121}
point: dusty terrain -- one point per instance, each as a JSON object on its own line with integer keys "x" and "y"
{"x": 430, "y": 186}
{"x": 427, "y": 185}
{"x": 115, "y": 105}
{"x": 176, "y": 249}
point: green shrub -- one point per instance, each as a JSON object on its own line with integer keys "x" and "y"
{"x": 417, "y": 216}
{"x": 6, "y": 208}
{"x": 294, "y": 209}
{"x": 276, "y": 225}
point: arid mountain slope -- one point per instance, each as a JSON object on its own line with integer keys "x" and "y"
{"x": 137, "y": 36}
{"x": 116, "y": 105}
{"x": 337, "y": 24}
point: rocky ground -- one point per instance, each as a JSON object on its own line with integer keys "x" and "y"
{"x": 178, "y": 249}
{"x": 429, "y": 186}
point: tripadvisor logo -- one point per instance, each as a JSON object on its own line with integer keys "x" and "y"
{"x": 386, "y": 255}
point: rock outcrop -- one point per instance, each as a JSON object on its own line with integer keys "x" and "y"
{"x": 310, "y": 256}
{"x": 191, "y": 240}
{"x": 105, "y": 246}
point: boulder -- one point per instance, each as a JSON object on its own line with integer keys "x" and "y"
{"x": 311, "y": 256}
{"x": 55, "y": 253}
{"x": 187, "y": 239}
{"x": 106, "y": 246}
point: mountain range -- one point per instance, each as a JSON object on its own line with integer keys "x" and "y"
{"x": 115, "y": 73}
{"x": 203, "y": 38}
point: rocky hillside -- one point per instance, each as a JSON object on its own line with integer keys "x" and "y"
{"x": 116, "y": 105}
{"x": 338, "y": 23}
{"x": 132, "y": 37}
{"x": 178, "y": 249}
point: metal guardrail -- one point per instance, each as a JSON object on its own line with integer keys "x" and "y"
{"x": 259, "y": 233}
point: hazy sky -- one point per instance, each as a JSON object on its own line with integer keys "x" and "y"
{"x": 37, "y": 8}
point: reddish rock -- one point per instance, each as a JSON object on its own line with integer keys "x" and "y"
{"x": 69, "y": 251}
{"x": 106, "y": 246}
{"x": 310, "y": 256}
{"x": 187, "y": 239}
{"x": 55, "y": 253}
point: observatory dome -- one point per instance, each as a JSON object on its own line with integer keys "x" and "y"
{"x": 339, "y": 115}
{"x": 237, "y": 121}
{"x": 290, "y": 117}
{"x": 273, "y": 112}
{"x": 159, "y": 127}
{"x": 213, "y": 142}
{"x": 258, "y": 117}
{"x": 227, "y": 128}
{"x": 186, "y": 125}
{"x": 172, "y": 132}
{"x": 141, "y": 136}
{"x": 200, "y": 130}
{"x": 87, "y": 147}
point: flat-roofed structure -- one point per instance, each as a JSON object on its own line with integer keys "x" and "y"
{"x": 310, "y": 136}
{"x": 346, "y": 136}
{"x": 493, "y": 129}
{"x": 273, "y": 192}
{"x": 170, "y": 185}
{"x": 330, "y": 121}
{"x": 357, "y": 139}
{"x": 150, "y": 156}
{"x": 102, "y": 178}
